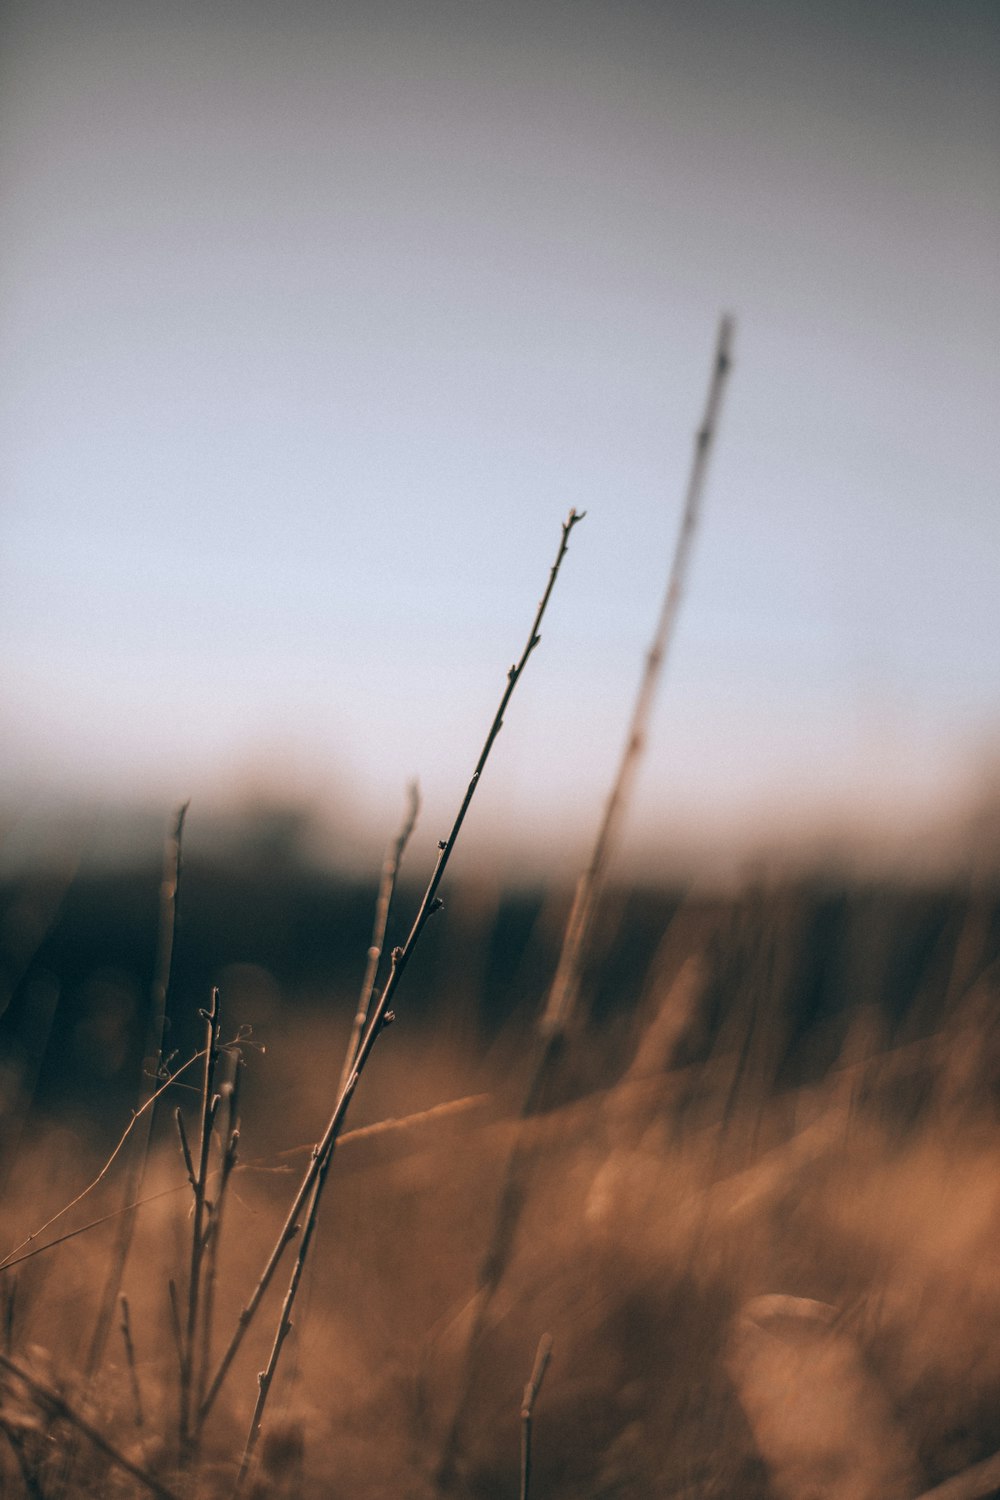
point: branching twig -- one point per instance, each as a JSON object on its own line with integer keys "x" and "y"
{"x": 387, "y": 885}
{"x": 381, "y": 1011}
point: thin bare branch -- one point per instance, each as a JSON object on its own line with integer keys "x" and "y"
{"x": 72, "y": 1234}
{"x": 387, "y": 885}
{"x": 381, "y": 1013}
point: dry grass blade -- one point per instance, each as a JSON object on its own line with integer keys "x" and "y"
{"x": 565, "y": 985}
{"x": 531, "y": 1390}
{"x": 50, "y": 1400}
{"x": 381, "y": 1012}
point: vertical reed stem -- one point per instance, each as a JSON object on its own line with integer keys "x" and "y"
{"x": 564, "y": 991}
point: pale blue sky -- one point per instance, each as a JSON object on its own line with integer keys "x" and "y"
{"x": 317, "y": 318}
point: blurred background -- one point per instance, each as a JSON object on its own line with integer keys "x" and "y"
{"x": 318, "y": 319}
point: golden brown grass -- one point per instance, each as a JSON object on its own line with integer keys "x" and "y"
{"x": 660, "y": 1231}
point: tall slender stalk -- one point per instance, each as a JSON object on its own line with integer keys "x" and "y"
{"x": 381, "y": 1013}
{"x": 565, "y": 988}
{"x": 564, "y": 991}
{"x": 387, "y": 886}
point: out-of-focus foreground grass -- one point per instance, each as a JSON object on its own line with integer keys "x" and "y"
{"x": 762, "y": 1219}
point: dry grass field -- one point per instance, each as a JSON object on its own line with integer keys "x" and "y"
{"x": 759, "y": 1214}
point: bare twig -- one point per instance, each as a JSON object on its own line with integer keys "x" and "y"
{"x": 531, "y": 1390}
{"x": 387, "y": 886}
{"x": 72, "y": 1234}
{"x": 381, "y": 1012}
{"x": 43, "y": 1395}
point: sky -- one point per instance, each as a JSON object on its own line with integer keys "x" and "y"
{"x": 317, "y": 319}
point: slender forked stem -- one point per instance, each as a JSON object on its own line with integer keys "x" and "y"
{"x": 387, "y": 886}
{"x": 381, "y": 1011}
